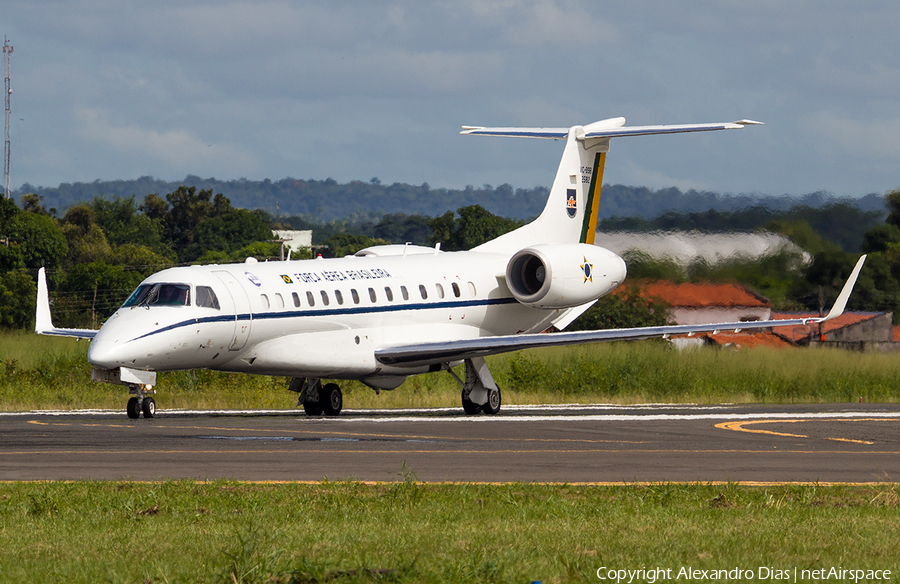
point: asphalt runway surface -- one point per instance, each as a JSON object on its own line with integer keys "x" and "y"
{"x": 848, "y": 443}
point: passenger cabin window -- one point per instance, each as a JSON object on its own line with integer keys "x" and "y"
{"x": 206, "y": 298}
{"x": 389, "y": 293}
{"x": 339, "y": 297}
{"x": 160, "y": 295}
{"x": 472, "y": 291}
{"x": 265, "y": 301}
{"x": 296, "y": 299}
{"x": 423, "y": 292}
{"x": 440, "y": 290}
{"x": 372, "y": 295}
{"x": 279, "y": 300}
{"x": 355, "y": 295}
{"x": 310, "y": 299}
{"x": 324, "y": 297}
{"x": 404, "y": 292}
{"x": 456, "y": 291}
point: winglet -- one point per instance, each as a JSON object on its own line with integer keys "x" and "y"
{"x": 43, "y": 325}
{"x": 42, "y": 321}
{"x": 841, "y": 301}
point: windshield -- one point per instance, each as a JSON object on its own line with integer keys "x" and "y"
{"x": 160, "y": 295}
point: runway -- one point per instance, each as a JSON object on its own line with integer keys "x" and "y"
{"x": 857, "y": 443}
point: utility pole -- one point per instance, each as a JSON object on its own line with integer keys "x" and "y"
{"x": 7, "y": 52}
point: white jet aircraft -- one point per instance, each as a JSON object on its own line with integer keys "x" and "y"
{"x": 390, "y": 311}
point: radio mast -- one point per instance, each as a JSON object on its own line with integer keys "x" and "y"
{"x": 7, "y": 51}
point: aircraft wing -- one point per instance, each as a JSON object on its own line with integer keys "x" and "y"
{"x": 43, "y": 324}
{"x": 443, "y": 352}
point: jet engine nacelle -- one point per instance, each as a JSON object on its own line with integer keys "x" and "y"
{"x": 563, "y": 275}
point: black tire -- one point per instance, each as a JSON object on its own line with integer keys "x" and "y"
{"x": 331, "y": 399}
{"x": 469, "y": 407}
{"x": 133, "y": 409}
{"x": 149, "y": 407}
{"x": 312, "y": 409}
{"x": 493, "y": 403}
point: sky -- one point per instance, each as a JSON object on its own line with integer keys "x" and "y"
{"x": 355, "y": 90}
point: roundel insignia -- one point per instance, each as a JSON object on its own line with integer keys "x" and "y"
{"x": 588, "y": 270}
{"x": 287, "y": 279}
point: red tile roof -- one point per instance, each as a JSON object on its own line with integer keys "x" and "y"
{"x": 797, "y": 333}
{"x": 748, "y": 340}
{"x": 696, "y": 295}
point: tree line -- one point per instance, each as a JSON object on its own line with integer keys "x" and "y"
{"x": 324, "y": 201}
{"x": 97, "y": 252}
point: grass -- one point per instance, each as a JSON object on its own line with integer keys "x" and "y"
{"x": 51, "y": 373}
{"x": 412, "y": 532}
{"x": 408, "y": 531}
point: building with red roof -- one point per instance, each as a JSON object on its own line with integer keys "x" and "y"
{"x": 850, "y": 330}
{"x": 705, "y": 303}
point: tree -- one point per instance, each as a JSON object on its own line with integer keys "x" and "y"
{"x": 232, "y": 229}
{"x": 122, "y": 222}
{"x": 17, "y": 299}
{"x": 624, "y": 308}
{"x": 87, "y": 241}
{"x": 39, "y": 240}
{"x": 475, "y": 226}
{"x": 881, "y": 238}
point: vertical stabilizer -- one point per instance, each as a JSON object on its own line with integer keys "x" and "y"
{"x": 570, "y": 215}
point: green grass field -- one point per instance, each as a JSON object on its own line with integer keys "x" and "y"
{"x": 408, "y": 531}
{"x": 50, "y": 373}
{"x": 413, "y": 532}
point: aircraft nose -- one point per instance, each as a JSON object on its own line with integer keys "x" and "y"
{"x": 102, "y": 353}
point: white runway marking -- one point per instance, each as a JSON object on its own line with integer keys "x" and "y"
{"x": 529, "y": 413}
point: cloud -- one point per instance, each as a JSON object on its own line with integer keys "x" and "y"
{"x": 177, "y": 151}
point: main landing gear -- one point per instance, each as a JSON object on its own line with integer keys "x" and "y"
{"x": 142, "y": 403}
{"x": 317, "y": 399}
{"x": 479, "y": 391}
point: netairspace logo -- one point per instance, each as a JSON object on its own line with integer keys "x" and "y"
{"x": 760, "y": 574}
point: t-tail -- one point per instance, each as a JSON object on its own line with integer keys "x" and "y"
{"x": 570, "y": 215}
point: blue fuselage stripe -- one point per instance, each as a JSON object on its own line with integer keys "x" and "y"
{"x": 312, "y": 312}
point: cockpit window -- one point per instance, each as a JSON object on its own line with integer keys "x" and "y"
{"x": 160, "y": 295}
{"x": 139, "y": 295}
{"x": 206, "y": 297}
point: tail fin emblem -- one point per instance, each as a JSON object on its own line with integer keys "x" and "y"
{"x": 571, "y": 207}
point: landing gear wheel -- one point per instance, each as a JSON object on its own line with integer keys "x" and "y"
{"x": 469, "y": 407}
{"x": 493, "y": 403}
{"x": 149, "y": 407}
{"x": 312, "y": 409}
{"x": 133, "y": 409}
{"x": 331, "y": 399}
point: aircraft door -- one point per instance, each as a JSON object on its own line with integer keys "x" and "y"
{"x": 242, "y": 316}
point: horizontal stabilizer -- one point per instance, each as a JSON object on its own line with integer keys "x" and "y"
{"x": 612, "y": 128}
